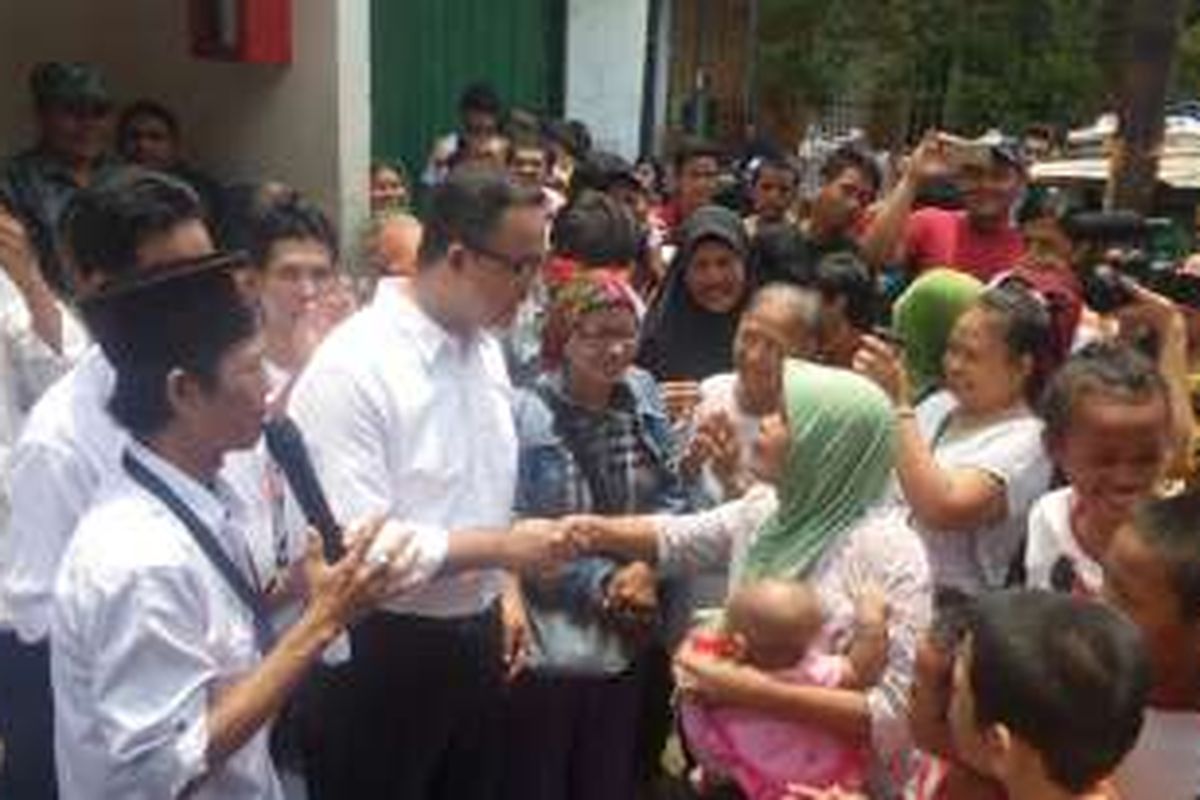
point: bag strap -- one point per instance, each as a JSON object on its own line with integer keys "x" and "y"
{"x": 235, "y": 579}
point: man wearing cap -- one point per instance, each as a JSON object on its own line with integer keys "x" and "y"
{"x": 981, "y": 239}
{"x": 166, "y": 670}
{"x": 74, "y": 120}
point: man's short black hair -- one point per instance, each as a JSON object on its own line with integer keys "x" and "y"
{"x": 851, "y": 157}
{"x": 291, "y": 216}
{"x": 1069, "y": 677}
{"x": 147, "y": 108}
{"x": 691, "y": 148}
{"x": 468, "y": 207}
{"x": 1107, "y": 368}
{"x": 188, "y": 323}
{"x": 480, "y": 97}
{"x": 778, "y": 163}
{"x": 106, "y": 223}
{"x": 596, "y": 230}
{"x": 572, "y": 135}
{"x": 1171, "y": 528}
{"x": 845, "y": 275}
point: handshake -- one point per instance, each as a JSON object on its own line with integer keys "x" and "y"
{"x": 540, "y": 545}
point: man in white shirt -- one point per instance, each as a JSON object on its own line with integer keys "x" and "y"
{"x": 406, "y": 409}
{"x": 38, "y": 340}
{"x": 166, "y": 671}
{"x": 130, "y": 221}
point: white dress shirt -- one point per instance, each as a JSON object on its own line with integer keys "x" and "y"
{"x": 405, "y": 420}
{"x": 69, "y": 446}
{"x": 28, "y": 367}
{"x": 70, "y": 443}
{"x": 144, "y": 635}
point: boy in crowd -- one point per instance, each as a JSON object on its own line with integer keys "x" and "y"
{"x": 772, "y": 193}
{"x": 1152, "y": 574}
{"x": 697, "y": 170}
{"x": 1048, "y": 694}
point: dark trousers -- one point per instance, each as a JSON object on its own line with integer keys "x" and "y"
{"x": 424, "y": 698}
{"x": 26, "y": 721}
{"x": 572, "y": 738}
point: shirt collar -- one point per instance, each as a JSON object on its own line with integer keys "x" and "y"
{"x": 211, "y": 505}
{"x": 432, "y": 341}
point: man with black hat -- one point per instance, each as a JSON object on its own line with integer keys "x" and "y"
{"x": 127, "y": 222}
{"x": 166, "y": 670}
{"x": 74, "y": 119}
{"x": 981, "y": 239}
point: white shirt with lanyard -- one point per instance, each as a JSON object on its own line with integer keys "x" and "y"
{"x": 147, "y": 632}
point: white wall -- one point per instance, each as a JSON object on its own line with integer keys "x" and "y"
{"x": 307, "y": 123}
{"x": 606, "y": 60}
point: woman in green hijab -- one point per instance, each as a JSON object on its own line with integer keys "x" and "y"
{"x": 818, "y": 515}
{"x": 923, "y": 317}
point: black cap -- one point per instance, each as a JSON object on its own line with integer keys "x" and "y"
{"x": 161, "y": 314}
{"x": 601, "y": 170}
{"x": 1009, "y": 151}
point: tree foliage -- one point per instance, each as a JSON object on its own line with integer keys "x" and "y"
{"x": 965, "y": 64}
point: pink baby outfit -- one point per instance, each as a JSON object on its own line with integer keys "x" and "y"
{"x": 765, "y": 755}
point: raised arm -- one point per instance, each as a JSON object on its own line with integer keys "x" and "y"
{"x": 886, "y": 231}
{"x": 946, "y": 499}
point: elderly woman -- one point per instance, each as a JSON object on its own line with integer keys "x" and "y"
{"x": 594, "y": 437}
{"x": 970, "y": 460}
{"x": 779, "y": 323}
{"x": 828, "y": 455}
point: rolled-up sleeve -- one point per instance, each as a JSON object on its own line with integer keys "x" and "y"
{"x": 152, "y": 683}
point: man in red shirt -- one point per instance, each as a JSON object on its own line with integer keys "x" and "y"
{"x": 981, "y": 239}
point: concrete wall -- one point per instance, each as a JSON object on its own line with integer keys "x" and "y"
{"x": 606, "y": 60}
{"x": 307, "y": 124}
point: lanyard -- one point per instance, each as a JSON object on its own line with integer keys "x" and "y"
{"x": 264, "y": 635}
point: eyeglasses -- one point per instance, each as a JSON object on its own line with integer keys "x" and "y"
{"x": 521, "y": 266}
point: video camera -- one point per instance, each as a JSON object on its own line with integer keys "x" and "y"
{"x": 1118, "y": 248}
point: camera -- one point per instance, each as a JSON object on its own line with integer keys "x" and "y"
{"x": 1122, "y": 249}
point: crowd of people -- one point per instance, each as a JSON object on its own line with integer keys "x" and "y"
{"x": 591, "y": 479}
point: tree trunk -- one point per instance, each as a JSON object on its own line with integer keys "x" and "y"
{"x": 1150, "y": 40}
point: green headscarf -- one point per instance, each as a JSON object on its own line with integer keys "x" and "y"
{"x": 838, "y": 464}
{"x": 924, "y": 316}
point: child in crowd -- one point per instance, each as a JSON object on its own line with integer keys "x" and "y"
{"x": 1048, "y": 694}
{"x": 772, "y": 625}
{"x": 1108, "y": 429}
{"x": 935, "y": 771}
{"x": 1152, "y": 574}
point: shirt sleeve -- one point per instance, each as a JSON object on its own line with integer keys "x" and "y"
{"x": 709, "y": 539}
{"x": 893, "y": 558}
{"x": 49, "y": 489}
{"x": 345, "y": 430}
{"x": 1013, "y": 454}
{"x": 152, "y": 682}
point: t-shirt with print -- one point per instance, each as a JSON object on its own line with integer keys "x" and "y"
{"x": 935, "y": 237}
{"x": 1011, "y": 451}
{"x": 1053, "y": 557}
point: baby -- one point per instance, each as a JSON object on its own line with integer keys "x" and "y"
{"x": 772, "y": 625}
